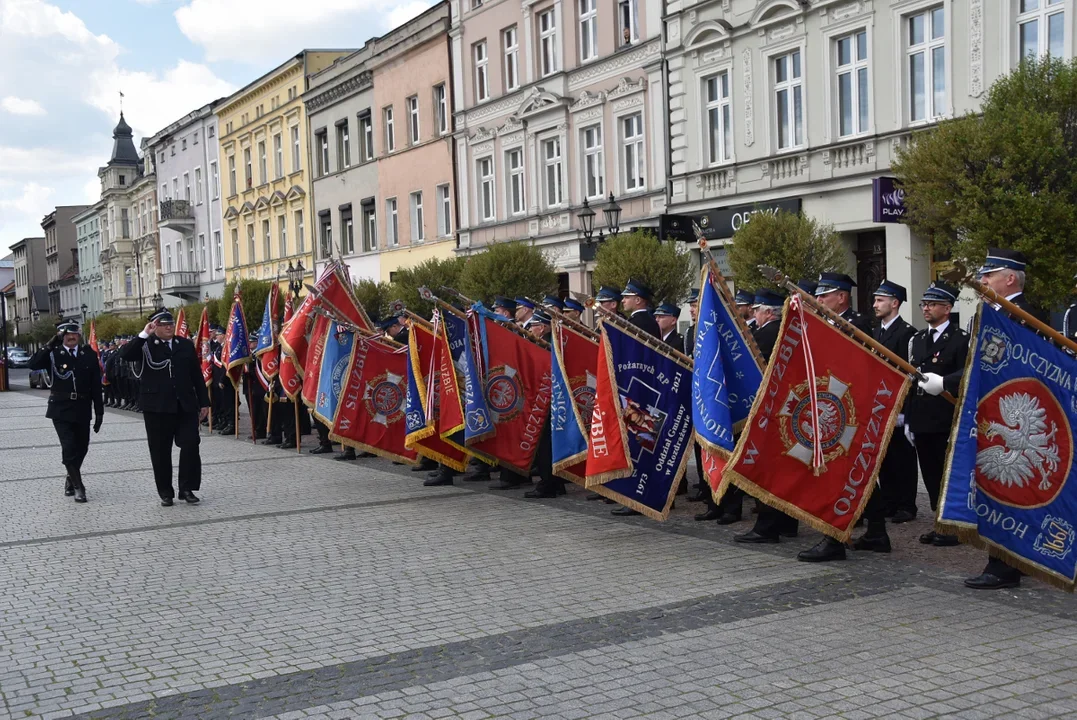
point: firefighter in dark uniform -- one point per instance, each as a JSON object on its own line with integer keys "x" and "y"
{"x": 76, "y": 389}
{"x": 834, "y": 291}
{"x": 224, "y": 414}
{"x": 505, "y": 309}
{"x": 573, "y": 309}
{"x": 608, "y": 298}
{"x": 549, "y": 485}
{"x": 666, "y": 315}
{"x": 743, "y": 302}
{"x": 173, "y": 396}
{"x": 254, "y": 391}
{"x": 636, "y": 300}
{"x": 702, "y": 492}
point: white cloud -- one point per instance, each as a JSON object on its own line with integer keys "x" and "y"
{"x": 26, "y": 209}
{"x": 21, "y": 106}
{"x": 260, "y": 31}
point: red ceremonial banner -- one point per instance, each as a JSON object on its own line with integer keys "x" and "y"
{"x": 428, "y": 442}
{"x": 182, "y": 329}
{"x": 517, "y": 386}
{"x": 607, "y": 449}
{"x": 291, "y": 380}
{"x": 448, "y": 401}
{"x": 578, "y": 355}
{"x": 312, "y": 365}
{"x": 201, "y": 346}
{"x": 333, "y": 292}
{"x": 370, "y": 415}
{"x": 819, "y": 465}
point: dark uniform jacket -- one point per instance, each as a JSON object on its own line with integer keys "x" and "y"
{"x": 646, "y": 322}
{"x": 860, "y": 322}
{"x": 690, "y": 340}
{"x": 674, "y": 340}
{"x": 896, "y": 337}
{"x": 766, "y": 337}
{"x": 176, "y": 387}
{"x": 71, "y": 398}
{"x": 946, "y": 357}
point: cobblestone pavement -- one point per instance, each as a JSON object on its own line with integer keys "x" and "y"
{"x": 303, "y": 587}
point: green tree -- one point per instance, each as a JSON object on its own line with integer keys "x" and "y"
{"x": 662, "y": 266}
{"x": 1004, "y": 178}
{"x": 511, "y": 269}
{"x": 252, "y": 295}
{"x": 43, "y": 329}
{"x": 431, "y": 273}
{"x": 799, "y": 246}
{"x": 375, "y": 297}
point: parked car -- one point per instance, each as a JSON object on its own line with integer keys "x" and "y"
{"x": 17, "y": 357}
{"x": 40, "y": 379}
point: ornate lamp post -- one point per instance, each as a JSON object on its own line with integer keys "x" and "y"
{"x": 295, "y": 278}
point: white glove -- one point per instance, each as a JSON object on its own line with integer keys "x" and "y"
{"x": 932, "y": 384}
{"x": 901, "y": 420}
{"x": 909, "y": 435}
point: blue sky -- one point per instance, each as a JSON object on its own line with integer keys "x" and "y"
{"x": 65, "y": 61}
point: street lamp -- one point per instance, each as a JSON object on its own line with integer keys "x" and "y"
{"x": 295, "y": 277}
{"x": 587, "y": 221}
{"x": 612, "y": 211}
{"x": 84, "y": 309}
{"x": 156, "y": 300}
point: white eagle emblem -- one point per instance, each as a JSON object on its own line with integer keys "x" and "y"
{"x": 1027, "y": 449}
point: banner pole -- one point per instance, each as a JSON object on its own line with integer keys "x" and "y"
{"x": 236, "y": 395}
{"x": 989, "y": 295}
{"x": 211, "y": 417}
{"x": 298, "y": 439}
{"x": 511, "y": 326}
{"x": 581, "y": 329}
{"x": 645, "y": 338}
{"x": 250, "y": 408}
{"x": 269, "y": 412}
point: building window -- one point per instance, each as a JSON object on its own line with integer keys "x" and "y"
{"x": 210, "y": 131}
{"x": 412, "y": 103}
{"x": 231, "y": 175}
{"x": 548, "y": 60}
{"x": 123, "y": 180}
{"x": 1041, "y": 27}
{"x": 852, "y": 68}
{"x": 348, "y": 237}
{"x": 632, "y": 139}
{"x": 588, "y": 30}
{"x": 187, "y": 187}
{"x": 370, "y": 226}
{"x": 190, "y": 253}
{"x": 282, "y": 236}
{"x": 175, "y": 188}
{"x": 444, "y": 211}
{"x": 164, "y": 191}
{"x": 267, "y": 241}
{"x": 219, "y": 259}
{"x": 418, "y": 227}
{"x": 295, "y": 149}
{"x": 551, "y": 159}
{"x": 321, "y": 138}
{"x": 198, "y": 185}
{"x": 168, "y": 258}
{"x": 250, "y": 243}
{"x": 263, "y": 166}
{"x": 482, "y": 77}
{"x": 248, "y": 168}
{"x": 927, "y": 64}
{"x": 719, "y": 119}
{"x": 627, "y": 21}
{"x": 125, "y": 223}
{"x": 278, "y": 156}
{"x": 325, "y": 222}
{"x": 390, "y": 131}
{"x": 235, "y": 246}
{"x": 215, "y": 178}
{"x": 300, "y": 233}
{"x": 594, "y": 180}
{"x": 366, "y": 134}
{"x": 789, "y": 100}
{"x": 510, "y": 43}
{"x": 514, "y": 164}
{"x": 441, "y": 108}
{"x": 392, "y": 223}
{"x": 487, "y": 209}
{"x": 344, "y": 145}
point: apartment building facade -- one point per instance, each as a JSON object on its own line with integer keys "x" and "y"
{"x": 785, "y": 105}
{"x": 31, "y": 283}
{"x": 91, "y": 279}
{"x": 60, "y": 248}
{"x": 561, "y": 102}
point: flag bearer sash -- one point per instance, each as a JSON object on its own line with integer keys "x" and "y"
{"x": 1008, "y": 473}
{"x": 371, "y": 413}
{"x": 312, "y": 364}
{"x": 726, "y": 376}
{"x": 421, "y": 404}
{"x": 641, "y": 427}
{"x": 516, "y": 391}
{"x": 336, "y": 356}
{"x": 818, "y": 466}
{"x": 574, "y": 360}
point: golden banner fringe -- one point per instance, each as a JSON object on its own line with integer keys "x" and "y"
{"x": 371, "y": 449}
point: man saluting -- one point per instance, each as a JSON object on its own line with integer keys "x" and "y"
{"x": 173, "y": 399}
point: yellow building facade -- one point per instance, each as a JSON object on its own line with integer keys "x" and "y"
{"x": 264, "y": 171}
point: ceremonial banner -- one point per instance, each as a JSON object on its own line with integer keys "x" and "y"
{"x": 371, "y": 415}
{"x": 291, "y": 380}
{"x": 421, "y": 404}
{"x": 201, "y": 346}
{"x": 312, "y": 364}
{"x": 182, "y": 330}
{"x": 237, "y": 349}
{"x": 1011, "y": 453}
{"x": 93, "y": 345}
{"x": 332, "y": 292}
{"x": 819, "y": 465}
{"x": 268, "y": 349}
{"x": 336, "y": 356}
{"x": 451, "y": 356}
{"x": 641, "y": 430}
{"x": 475, "y": 415}
{"x": 572, "y": 400}
{"x": 516, "y": 389}
{"x": 726, "y": 376}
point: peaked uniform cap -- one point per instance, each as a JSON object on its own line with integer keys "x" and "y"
{"x": 745, "y": 297}
{"x": 939, "y": 291}
{"x": 573, "y": 304}
{"x": 608, "y": 294}
{"x": 768, "y": 297}
{"x": 832, "y": 282}
{"x": 889, "y": 288}
{"x": 505, "y": 303}
{"x": 553, "y": 301}
{"x": 162, "y": 317}
{"x": 668, "y": 309}
{"x": 1003, "y": 259}
{"x": 808, "y": 285}
{"x": 524, "y": 302}
{"x": 637, "y": 288}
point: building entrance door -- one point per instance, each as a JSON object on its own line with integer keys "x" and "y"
{"x": 870, "y": 267}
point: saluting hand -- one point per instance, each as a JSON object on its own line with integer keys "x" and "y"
{"x": 150, "y": 327}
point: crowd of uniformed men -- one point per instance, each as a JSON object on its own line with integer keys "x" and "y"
{"x": 158, "y": 375}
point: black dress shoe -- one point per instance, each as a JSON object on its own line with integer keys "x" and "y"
{"x": 287, "y": 445}
{"x": 166, "y": 502}
{"x": 625, "y": 512}
{"x": 711, "y": 514}
{"x": 825, "y": 550}
{"x": 506, "y": 485}
{"x": 363, "y": 455}
{"x": 753, "y": 538}
{"x": 880, "y": 544}
{"x": 987, "y": 581}
{"x": 592, "y": 496}
{"x": 787, "y": 533}
{"x": 477, "y": 475}
{"x": 695, "y": 496}
{"x": 728, "y": 518}
{"x": 272, "y": 441}
{"x": 536, "y": 494}
{"x": 945, "y": 540}
{"x": 321, "y": 450}
{"x": 438, "y": 480}
{"x": 903, "y": 516}
{"x": 80, "y": 494}
{"x": 344, "y": 456}
{"x": 69, "y": 489}
{"x": 928, "y": 538}
{"x": 190, "y": 497}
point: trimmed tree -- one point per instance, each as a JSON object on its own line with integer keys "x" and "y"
{"x": 512, "y": 269}
{"x": 799, "y": 246}
{"x": 374, "y": 296}
{"x": 1005, "y": 178}
{"x": 431, "y": 273}
{"x": 662, "y": 266}
{"x": 252, "y": 295}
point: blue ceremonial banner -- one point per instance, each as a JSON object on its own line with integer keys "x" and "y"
{"x": 1011, "y": 452}
{"x": 654, "y": 394}
{"x": 334, "y": 368}
{"x": 477, "y": 421}
{"x": 237, "y": 349}
{"x": 414, "y": 407}
{"x": 726, "y": 375}
{"x": 267, "y": 339}
{"x": 572, "y": 400}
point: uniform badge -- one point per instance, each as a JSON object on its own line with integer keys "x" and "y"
{"x": 384, "y": 398}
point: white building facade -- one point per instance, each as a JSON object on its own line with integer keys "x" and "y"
{"x": 782, "y": 104}
{"x": 91, "y": 280}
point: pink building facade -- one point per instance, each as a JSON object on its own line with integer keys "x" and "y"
{"x": 558, "y": 102}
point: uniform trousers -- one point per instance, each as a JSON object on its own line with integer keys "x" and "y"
{"x": 897, "y": 475}
{"x": 544, "y": 463}
{"x": 74, "y": 441}
{"x": 931, "y": 451}
{"x": 181, "y": 428}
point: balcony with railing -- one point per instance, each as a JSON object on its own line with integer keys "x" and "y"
{"x": 177, "y": 215}
{"x": 183, "y": 283}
